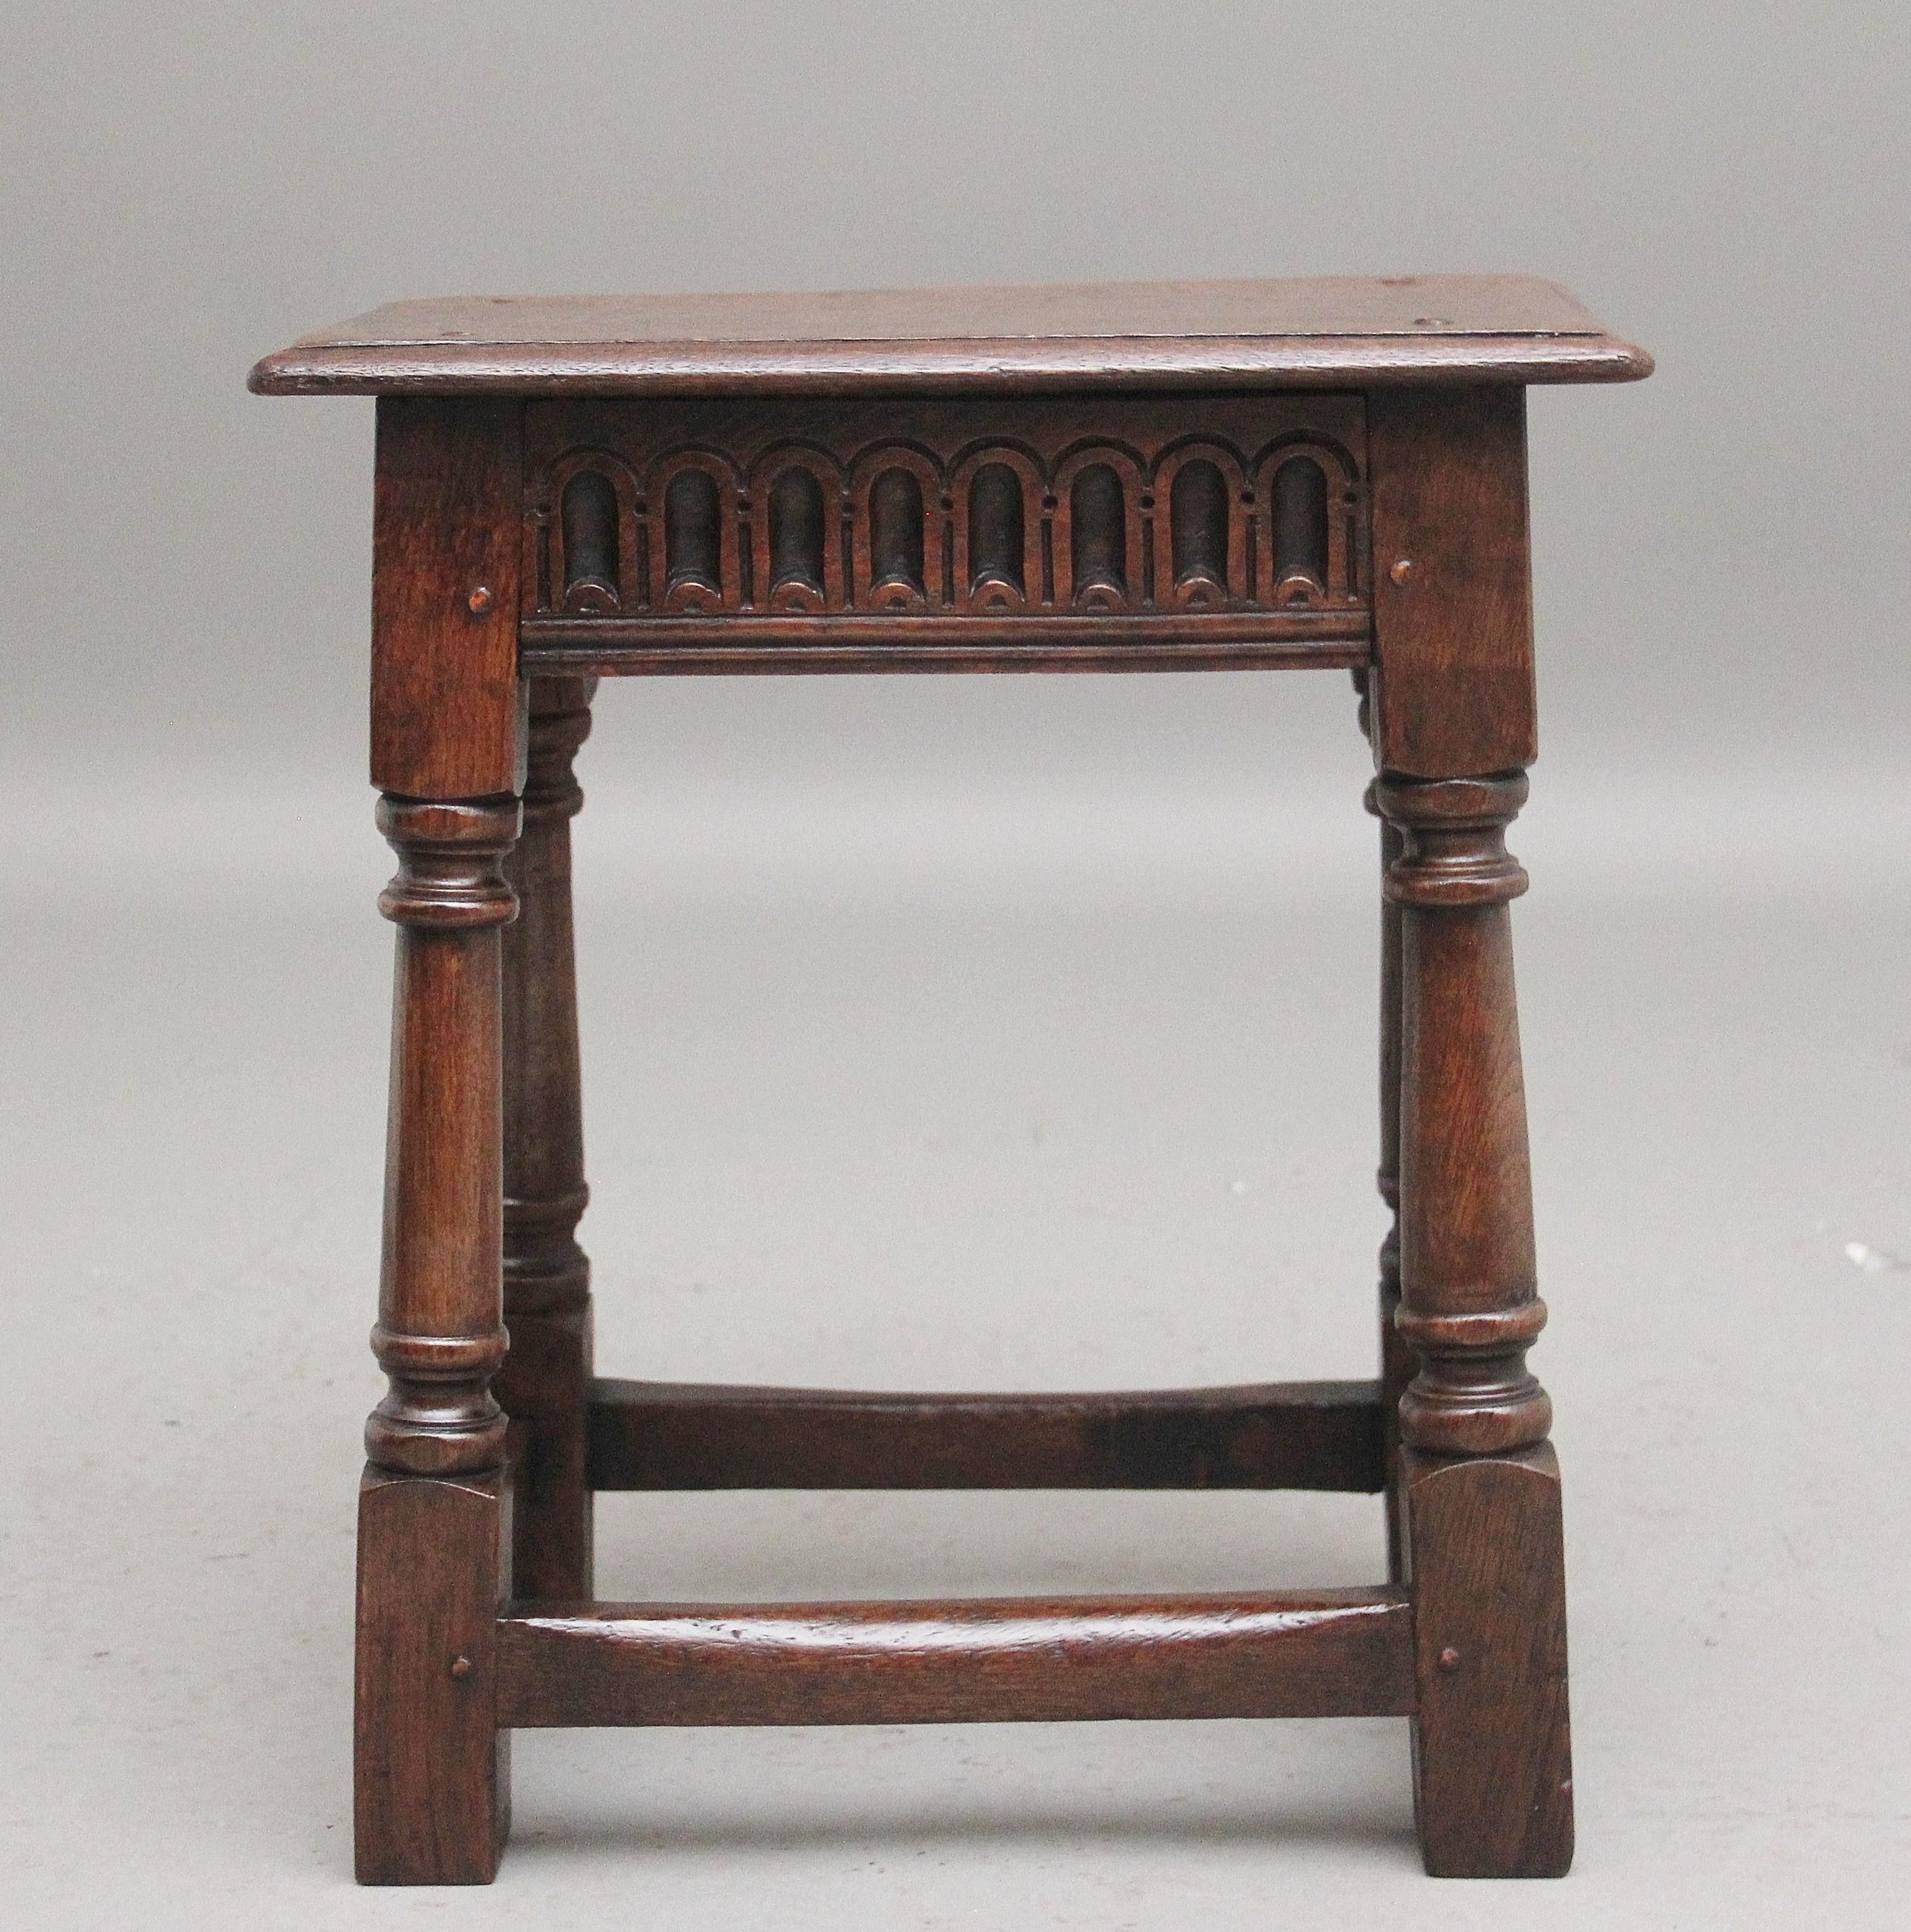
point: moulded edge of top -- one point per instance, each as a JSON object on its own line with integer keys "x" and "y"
{"x": 699, "y": 369}
{"x": 1322, "y": 332}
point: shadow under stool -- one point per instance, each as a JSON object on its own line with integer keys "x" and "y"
{"x": 1319, "y": 474}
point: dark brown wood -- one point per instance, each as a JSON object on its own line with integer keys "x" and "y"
{"x": 740, "y": 535}
{"x": 432, "y": 1781}
{"x": 1305, "y": 1654}
{"x": 1453, "y": 683}
{"x": 432, "y": 1792}
{"x": 1469, "y": 1302}
{"x": 448, "y": 715}
{"x": 1492, "y": 1759}
{"x": 546, "y": 1379}
{"x": 1297, "y": 333}
{"x": 704, "y": 647}
{"x": 441, "y": 1336}
{"x": 1172, "y": 476}
{"x": 1397, "y": 1361}
{"x": 1294, "y": 1435}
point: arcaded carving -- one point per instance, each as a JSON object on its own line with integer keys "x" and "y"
{"x": 1159, "y": 508}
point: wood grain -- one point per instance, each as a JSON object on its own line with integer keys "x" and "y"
{"x": 1298, "y": 333}
{"x": 1492, "y": 1757}
{"x": 1157, "y": 476}
{"x": 440, "y": 1335}
{"x": 1470, "y": 1306}
{"x": 1453, "y": 687}
{"x": 782, "y": 647}
{"x": 546, "y": 1379}
{"x": 1397, "y": 1360}
{"x": 1044, "y": 534}
{"x": 447, "y": 709}
{"x": 432, "y": 1782}
{"x": 1296, "y": 1436}
{"x": 1327, "y": 1653}
{"x": 1480, "y": 1487}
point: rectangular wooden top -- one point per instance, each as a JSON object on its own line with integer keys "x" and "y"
{"x": 1324, "y": 331}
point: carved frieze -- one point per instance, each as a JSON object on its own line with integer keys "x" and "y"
{"x": 1048, "y": 528}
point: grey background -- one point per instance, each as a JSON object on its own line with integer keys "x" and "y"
{"x": 955, "y": 1031}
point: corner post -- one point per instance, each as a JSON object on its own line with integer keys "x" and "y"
{"x": 431, "y": 1778}
{"x": 1453, "y": 731}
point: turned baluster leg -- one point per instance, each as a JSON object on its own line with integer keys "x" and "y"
{"x": 432, "y": 1781}
{"x": 1492, "y": 1771}
{"x": 546, "y": 1378}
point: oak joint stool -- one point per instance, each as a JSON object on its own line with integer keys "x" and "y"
{"x": 1327, "y": 473}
